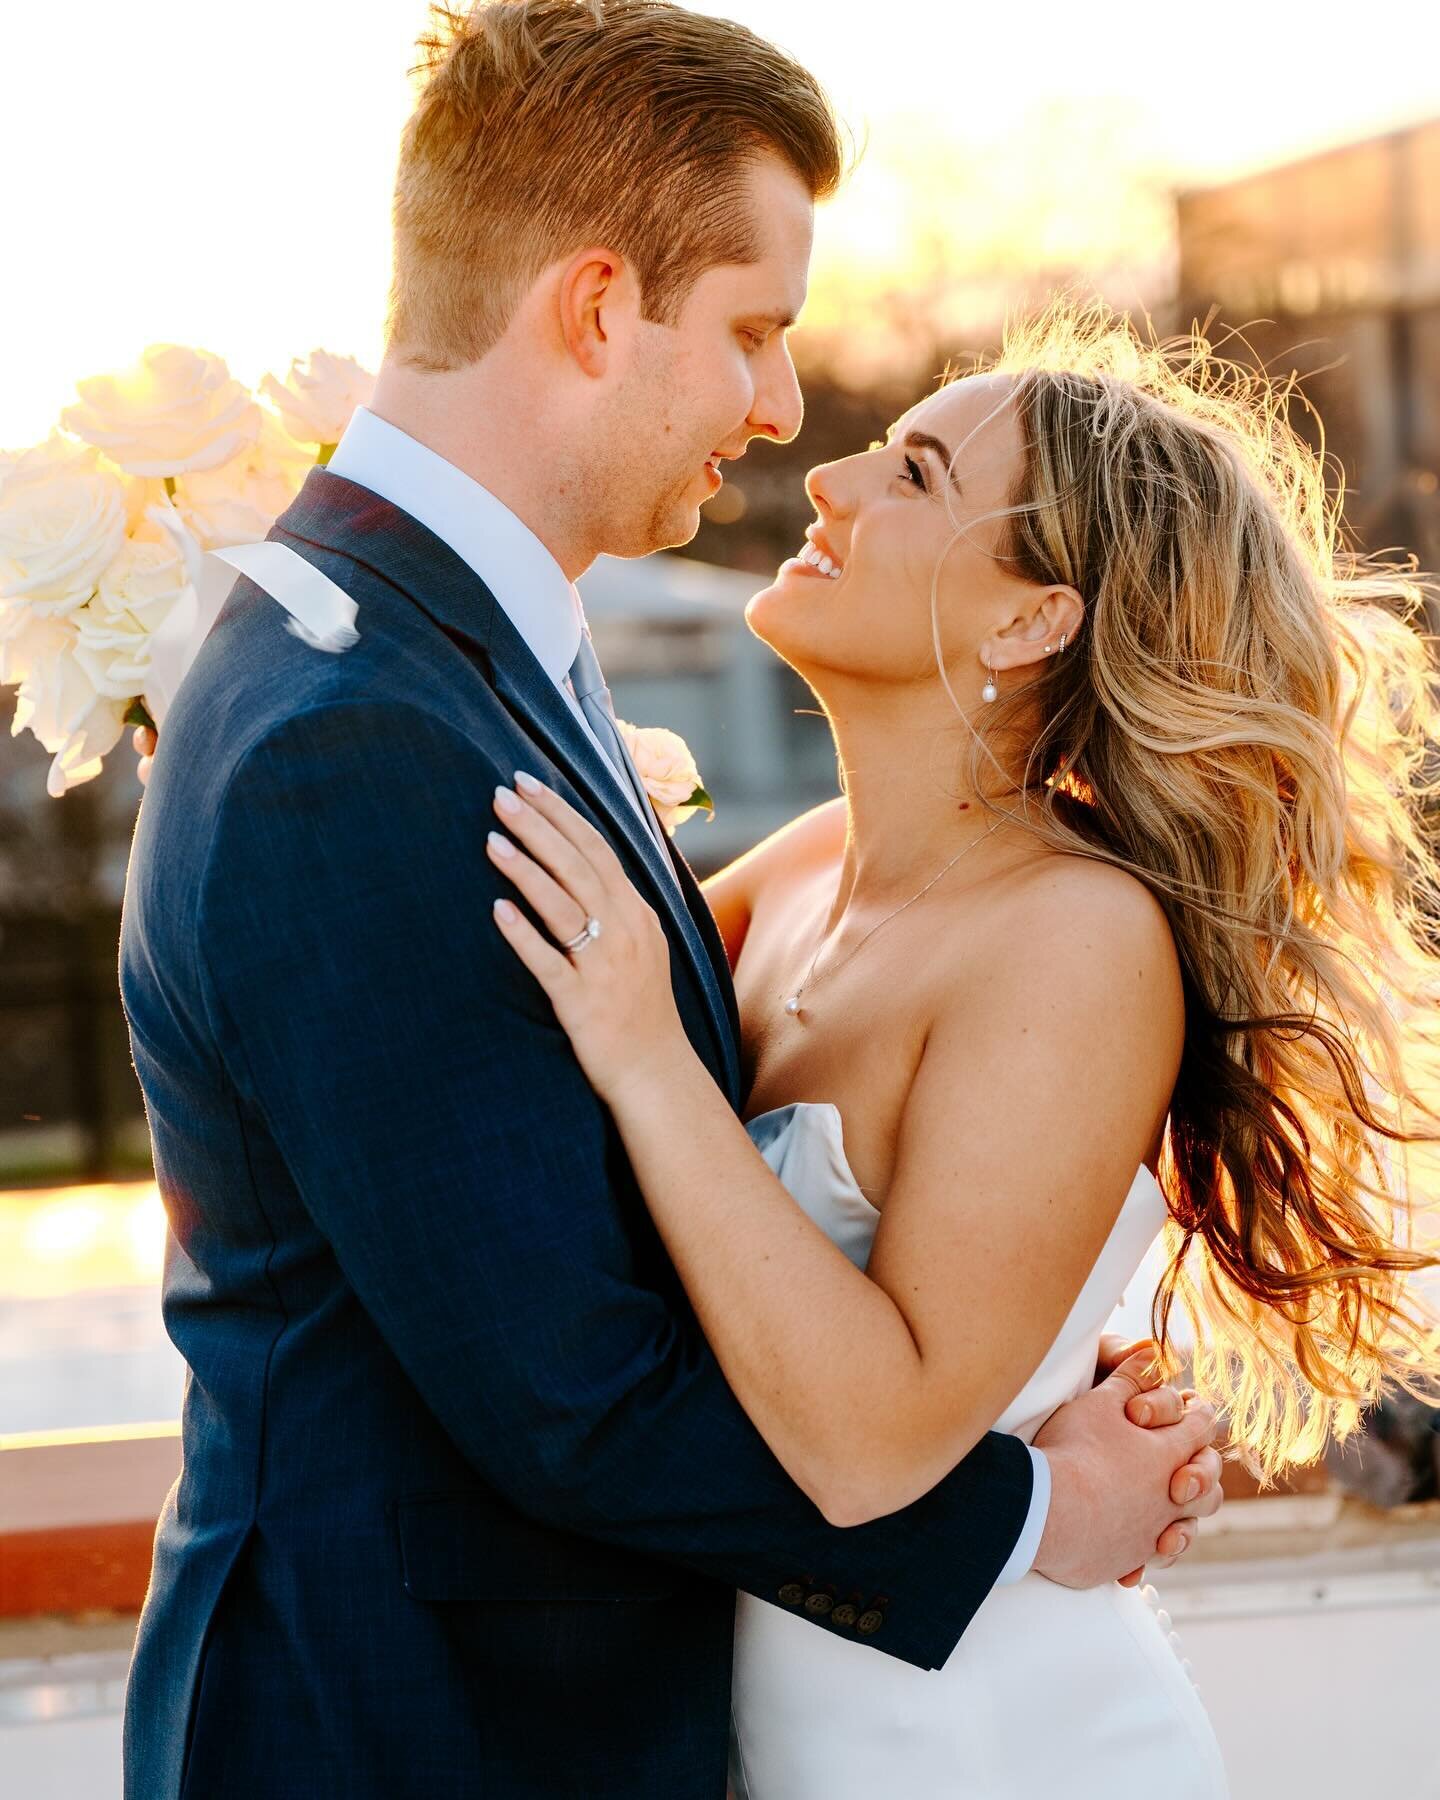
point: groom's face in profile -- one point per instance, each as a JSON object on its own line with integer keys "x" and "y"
{"x": 694, "y": 393}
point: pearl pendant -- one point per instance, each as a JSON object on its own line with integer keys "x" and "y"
{"x": 792, "y": 1005}
{"x": 989, "y": 693}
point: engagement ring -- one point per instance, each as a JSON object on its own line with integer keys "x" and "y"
{"x": 583, "y": 939}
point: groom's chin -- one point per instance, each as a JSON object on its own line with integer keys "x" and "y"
{"x": 675, "y": 524}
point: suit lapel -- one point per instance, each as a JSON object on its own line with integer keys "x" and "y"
{"x": 534, "y": 698}
{"x": 338, "y": 515}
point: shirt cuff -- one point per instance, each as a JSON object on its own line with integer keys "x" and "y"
{"x": 1027, "y": 1548}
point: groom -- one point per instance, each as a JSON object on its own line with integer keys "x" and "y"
{"x": 466, "y": 1499}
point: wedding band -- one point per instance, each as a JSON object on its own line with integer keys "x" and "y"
{"x": 583, "y": 939}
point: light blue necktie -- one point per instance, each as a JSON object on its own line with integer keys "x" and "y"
{"x": 588, "y": 682}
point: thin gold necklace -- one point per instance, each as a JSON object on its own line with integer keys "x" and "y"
{"x": 792, "y": 1004}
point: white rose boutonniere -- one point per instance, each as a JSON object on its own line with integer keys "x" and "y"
{"x": 668, "y": 770}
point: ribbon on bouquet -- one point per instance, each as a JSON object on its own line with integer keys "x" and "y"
{"x": 322, "y": 614}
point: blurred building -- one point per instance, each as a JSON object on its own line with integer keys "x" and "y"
{"x": 1331, "y": 267}
{"x": 671, "y": 633}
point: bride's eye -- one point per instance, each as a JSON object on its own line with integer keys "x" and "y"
{"x": 915, "y": 475}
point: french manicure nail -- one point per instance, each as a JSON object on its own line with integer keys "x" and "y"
{"x": 500, "y": 844}
{"x": 506, "y": 801}
{"x": 1146, "y": 1414}
{"x": 1192, "y": 1487}
{"x": 504, "y": 910}
{"x": 527, "y": 784}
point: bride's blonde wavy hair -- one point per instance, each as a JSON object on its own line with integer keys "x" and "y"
{"x": 1246, "y": 723}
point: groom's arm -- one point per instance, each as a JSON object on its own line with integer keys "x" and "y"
{"x": 444, "y": 1140}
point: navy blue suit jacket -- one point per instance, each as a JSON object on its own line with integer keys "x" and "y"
{"x": 465, "y": 1498}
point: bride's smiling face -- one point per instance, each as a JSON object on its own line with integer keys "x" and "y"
{"x": 890, "y": 516}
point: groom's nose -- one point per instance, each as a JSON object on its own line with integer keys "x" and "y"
{"x": 779, "y": 408}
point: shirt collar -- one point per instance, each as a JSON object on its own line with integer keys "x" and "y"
{"x": 527, "y": 582}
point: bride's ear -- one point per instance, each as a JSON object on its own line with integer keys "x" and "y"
{"x": 1053, "y": 616}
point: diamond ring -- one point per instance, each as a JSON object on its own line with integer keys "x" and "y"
{"x": 582, "y": 940}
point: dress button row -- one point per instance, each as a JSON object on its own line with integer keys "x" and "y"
{"x": 1151, "y": 1597}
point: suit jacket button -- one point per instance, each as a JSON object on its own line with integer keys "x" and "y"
{"x": 792, "y": 1593}
{"x": 844, "y": 1615}
{"x": 819, "y": 1604}
{"x": 870, "y": 1622}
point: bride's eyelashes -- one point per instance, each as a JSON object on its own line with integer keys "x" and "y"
{"x": 915, "y": 475}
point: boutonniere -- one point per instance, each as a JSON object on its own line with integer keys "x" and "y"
{"x": 668, "y": 770}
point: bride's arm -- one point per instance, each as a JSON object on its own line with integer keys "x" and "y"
{"x": 1021, "y": 1134}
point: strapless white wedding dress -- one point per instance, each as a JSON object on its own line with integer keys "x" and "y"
{"x": 1050, "y": 1693}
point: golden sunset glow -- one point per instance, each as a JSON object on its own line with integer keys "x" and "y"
{"x": 68, "y": 1240}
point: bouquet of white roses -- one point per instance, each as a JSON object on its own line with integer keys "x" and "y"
{"x": 104, "y": 582}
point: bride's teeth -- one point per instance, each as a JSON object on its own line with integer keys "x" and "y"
{"x": 822, "y": 564}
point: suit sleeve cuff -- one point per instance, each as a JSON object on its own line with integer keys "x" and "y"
{"x": 1027, "y": 1547}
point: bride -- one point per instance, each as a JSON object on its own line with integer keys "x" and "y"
{"x": 1115, "y": 928}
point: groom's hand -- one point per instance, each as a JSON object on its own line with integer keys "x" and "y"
{"x": 1154, "y": 1403}
{"x": 1133, "y": 1469}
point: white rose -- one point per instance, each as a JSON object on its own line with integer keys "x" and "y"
{"x": 239, "y": 502}
{"x": 665, "y": 765}
{"x": 57, "y": 455}
{"x": 176, "y": 410}
{"x": 57, "y": 699}
{"x": 135, "y": 595}
{"x": 316, "y": 402}
{"x": 62, "y": 521}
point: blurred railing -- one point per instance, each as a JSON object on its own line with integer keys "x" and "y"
{"x": 77, "y": 1517}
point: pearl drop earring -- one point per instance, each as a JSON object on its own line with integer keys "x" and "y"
{"x": 990, "y": 693}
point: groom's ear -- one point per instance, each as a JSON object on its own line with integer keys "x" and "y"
{"x": 593, "y": 295}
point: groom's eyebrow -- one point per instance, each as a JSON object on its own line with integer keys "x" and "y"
{"x": 922, "y": 440}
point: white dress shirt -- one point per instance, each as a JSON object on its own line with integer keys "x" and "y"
{"x": 544, "y": 607}
{"x": 530, "y": 586}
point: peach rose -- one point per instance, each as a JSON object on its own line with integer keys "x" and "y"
{"x": 665, "y": 765}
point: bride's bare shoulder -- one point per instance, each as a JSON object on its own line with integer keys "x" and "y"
{"x": 806, "y": 843}
{"x": 1082, "y": 927}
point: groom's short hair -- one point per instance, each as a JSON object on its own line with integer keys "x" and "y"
{"x": 546, "y": 125}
